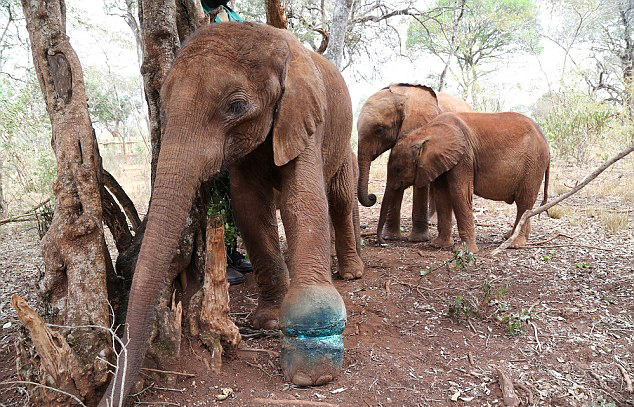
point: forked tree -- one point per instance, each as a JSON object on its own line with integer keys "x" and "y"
{"x": 83, "y": 292}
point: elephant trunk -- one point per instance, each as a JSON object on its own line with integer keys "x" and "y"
{"x": 385, "y": 207}
{"x": 178, "y": 177}
{"x": 362, "y": 186}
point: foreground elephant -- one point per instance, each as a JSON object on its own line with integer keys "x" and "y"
{"x": 387, "y": 116}
{"x": 251, "y": 98}
{"x": 498, "y": 156}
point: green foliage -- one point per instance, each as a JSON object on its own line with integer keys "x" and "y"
{"x": 575, "y": 124}
{"x": 484, "y": 32}
{"x": 112, "y": 99}
{"x": 462, "y": 257}
{"x": 26, "y": 157}
{"x": 220, "y": 204}
{"x": 464, "y": 308}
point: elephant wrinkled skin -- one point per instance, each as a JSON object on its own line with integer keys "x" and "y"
{"x": 498, "y": 156}
{"x": 387, "y": 116}
{"x": 250, "y": 98}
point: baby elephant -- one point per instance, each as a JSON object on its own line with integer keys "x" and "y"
{"x": 498, "y": 156}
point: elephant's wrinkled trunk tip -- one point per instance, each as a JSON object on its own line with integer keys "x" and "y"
{"x": 362, "y": 186}
{"x": 368, "y": 201}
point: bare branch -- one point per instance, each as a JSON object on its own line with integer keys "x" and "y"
{"x": 545, "y": 207}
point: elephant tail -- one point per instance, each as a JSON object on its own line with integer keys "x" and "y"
{"x": 546, "y": 179}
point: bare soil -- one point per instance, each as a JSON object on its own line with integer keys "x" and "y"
{"x": 557, "y": 317}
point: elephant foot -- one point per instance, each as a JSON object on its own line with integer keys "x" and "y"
{"x": 266, "y": 316}
{"x": 419, "y": 236}
{"x": 391, "y": 235}
{"x": 438, "y": 242}
{"x": 312, "y": 320}
{"x": 519, "y": 241}
{"x": 352, "y": 269}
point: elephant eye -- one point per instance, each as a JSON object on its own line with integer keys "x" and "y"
{"x": 236, "y": 107}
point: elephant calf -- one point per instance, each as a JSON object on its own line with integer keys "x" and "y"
{"x": 498, "y": 156}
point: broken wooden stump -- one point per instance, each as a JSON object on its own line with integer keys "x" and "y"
{"x": 210, "y": 317}
{"x": 60, "y": 374}
{"x": 508, "y": 392}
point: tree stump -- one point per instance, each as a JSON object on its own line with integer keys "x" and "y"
{"x": 210, "y": 320}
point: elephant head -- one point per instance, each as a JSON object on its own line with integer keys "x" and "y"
{"x": 232, "y": 87}
{"x": 421, "y": 157}
{"x": 385, "y": 117}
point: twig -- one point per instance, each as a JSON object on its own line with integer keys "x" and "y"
{"x": 46, "y": 387}
{"x": 545, "y": 207}
{"x": 539, "y": 344}
{"x": 565, "y": 245}
{"x": 368, "y": 234}
{"x": 258, "y": 366}
{"x": 626, "y": 378}
{"x": 147, "y": 369}
{"x": 26, "y": 216}
{"x": 551, "y": 239}
{"x": 526, "y": 390}
{"x": 508, "y": 393}
{"x": 271, "y": 353}
{"x": 169, "y": 389}
{"x": 293, "y": 402}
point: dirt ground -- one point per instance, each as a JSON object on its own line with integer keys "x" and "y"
{"x": 558, "y": 316}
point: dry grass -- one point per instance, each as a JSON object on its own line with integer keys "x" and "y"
{"x": 613, "y": 222}
{"x": 621, "y": 186}
{"x": 556, "y": 212}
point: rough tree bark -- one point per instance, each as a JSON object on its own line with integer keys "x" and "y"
{"x": 160, "y": 43}
{"x": 165, "y": 25}
{"x": 209, "y": 310}
{"x": 275, "y": 14}
{"x": 340, "y": 18}
{"x": 3, "y": 204}
{"x": 76, "y": 259}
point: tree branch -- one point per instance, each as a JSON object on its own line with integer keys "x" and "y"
{"x": 545, "y": 207}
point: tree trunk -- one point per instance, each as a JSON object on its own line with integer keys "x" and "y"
{"x": 160, "y": 43}
{"x": 76, "y": 260}
{"x": 340, "y": 17}
{"x": 275, "y": 14}
{"x": 4, "y": 212}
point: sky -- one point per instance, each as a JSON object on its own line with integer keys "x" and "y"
{"x": 517, "y": 84}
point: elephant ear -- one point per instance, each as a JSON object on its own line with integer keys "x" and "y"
{"x": 301, "y": 107}
{"x": 444, "y": 145}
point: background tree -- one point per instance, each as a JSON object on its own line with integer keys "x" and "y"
{"x": 477, "y": 33}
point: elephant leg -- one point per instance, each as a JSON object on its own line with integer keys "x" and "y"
{"x": 431, "y": 213}
{"x": 313, "y": 315}
{"x": 254, "y": 212}
{"x": 524, "y": 202}
{"x": 461, "y": 195}
{"x": 392, "y": 228}
{"x": 420, "y": 223}
{"x": 341, "y": 205}
{"x": 443, "y": 209}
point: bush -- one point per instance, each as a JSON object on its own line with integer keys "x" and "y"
{"x": 577, "y": 126}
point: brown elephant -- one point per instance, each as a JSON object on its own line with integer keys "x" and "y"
{"x": 250, "y": 98}
{"x": 498, "y": 156}
{"x": 387, "y": 116}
